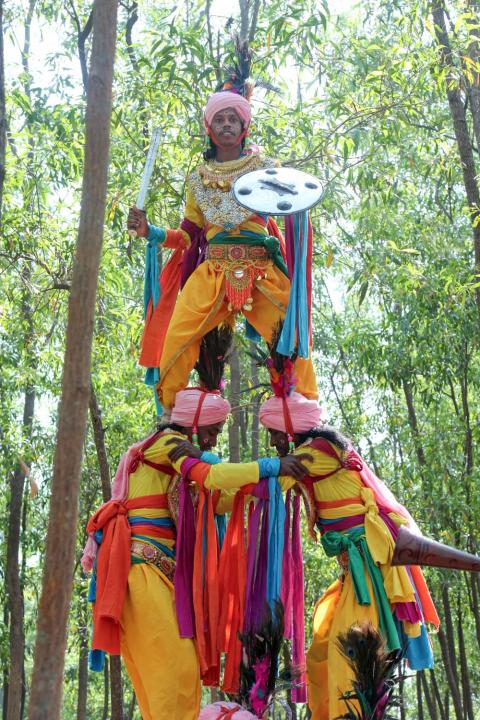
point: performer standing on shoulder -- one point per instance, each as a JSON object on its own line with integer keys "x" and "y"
{"x": 244, "y": 269}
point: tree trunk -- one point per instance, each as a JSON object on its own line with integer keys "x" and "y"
{"x": 99, "y": 437}
{"x": 234, "y": 427}
{"x": 116, "y": 690}
{"x": 438, "y": 697}
{"x": 473, "y": 578}
{"x": 413, "y": 422}
{"x": 462, "y": 135}
{"x": 466, "y": 687}
{"x": 46, "y": 690}
{"x": 5, "y": 669}
{"x": 450, "y": 633}
{"x": 106, "y": 692}
{"x": 420, "y": 715}
{"x": 82, "y": 662}
{"x": 450, "y": 672}
{"x": 3, "y": 114}
{"x": 14, "y": 587}
{"x": 131, "y": 707}
{"x": 431, "y": 704}
{"x": 401, "y": 691}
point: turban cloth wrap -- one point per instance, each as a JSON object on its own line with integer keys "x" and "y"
{"x": 305, "y": 414}
{"x": 214, "y": 408}
{"x": 223, "y": 100}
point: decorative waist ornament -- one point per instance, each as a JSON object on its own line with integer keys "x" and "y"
{"x": 242, "y": 265}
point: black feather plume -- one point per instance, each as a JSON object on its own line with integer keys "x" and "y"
{"x": 259, "y": 666}
{"x": 237, "y": 74}
{"x": 277, "y": 358}
{"x": 215, "y": 349}
{"x": 374, "y": 674}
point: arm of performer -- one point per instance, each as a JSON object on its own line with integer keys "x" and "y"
{"x": 315, "y": 463}
{"x": 169, "y": 238}
{"x": 230, "y": 476}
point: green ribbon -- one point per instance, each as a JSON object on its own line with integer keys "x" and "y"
{"x": 360, "y": 561}
{"x": 252, "y": 239}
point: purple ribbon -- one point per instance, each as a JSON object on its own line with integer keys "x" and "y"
{"x": 257, "y": 560}
{"x": 343, "y": 524}
{"x": 287, "y": 571}
{"x": 299, "y": 694}
{"x": 196, "y": 252}
{"x": 183, "y": 578}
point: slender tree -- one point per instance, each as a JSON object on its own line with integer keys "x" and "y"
{"x": 46, "y": 691}
{"x": 3, "y": 113}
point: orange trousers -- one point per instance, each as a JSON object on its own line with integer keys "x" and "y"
{"x": 202, "y": 306}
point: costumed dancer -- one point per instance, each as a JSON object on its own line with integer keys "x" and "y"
{"x": 227, "y": 259}
{"x": 359, "y": 520}
{"x": 155, "y": 581}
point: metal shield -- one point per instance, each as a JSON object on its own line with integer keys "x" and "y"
{"x": 277, "y": 191}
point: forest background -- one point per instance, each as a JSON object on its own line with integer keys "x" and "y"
{"x": 382, "y": 102}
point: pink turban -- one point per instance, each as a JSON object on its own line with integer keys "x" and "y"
{"x": 219, "y": 710}
{"x": 214, "y": 408}
{"x": 305, "y": 414}
{"x": 225, "y": 99}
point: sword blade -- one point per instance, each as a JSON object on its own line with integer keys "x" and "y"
{"x": 148, "y": 169}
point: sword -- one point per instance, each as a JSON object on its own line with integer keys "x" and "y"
{"x": 147, "y": 172}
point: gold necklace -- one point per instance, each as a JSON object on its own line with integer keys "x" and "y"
{"x": 222, "y": 175}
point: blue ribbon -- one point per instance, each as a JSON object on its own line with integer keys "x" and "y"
{"x": 295, "y": 327}
{"x": 158, "y": 522}
{"x": 276, "y": 523}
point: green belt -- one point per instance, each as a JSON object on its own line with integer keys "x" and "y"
{"x": 360, "y": 560}
{"x": 245, "y": 237}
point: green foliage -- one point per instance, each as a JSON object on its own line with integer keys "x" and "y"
{"x": 362, "y": 105}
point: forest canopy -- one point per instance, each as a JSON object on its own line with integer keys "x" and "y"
{"x": 380, "y": 101}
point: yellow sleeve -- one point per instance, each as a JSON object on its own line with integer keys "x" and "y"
{"x": 320, "y": 464}
{"x": 224, "y": 476}
{"x": 230, "y": 476}
{"x": 192, "y": 209}
{"x": 158, "y": 452}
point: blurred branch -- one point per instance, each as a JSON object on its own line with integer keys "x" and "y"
{"x": 82, "y": 36}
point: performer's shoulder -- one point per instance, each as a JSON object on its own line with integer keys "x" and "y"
{"x": 267, "y": 161}
{"x": 165, "y": 436}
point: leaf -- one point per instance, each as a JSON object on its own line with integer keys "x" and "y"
{"x": 362, "y": 292}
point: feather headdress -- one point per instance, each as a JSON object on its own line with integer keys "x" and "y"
{"x": 259, "y": 666}
{"x": 215, "y": 349}
{"x": 237, "y": 74}
{"x": 280, "y": 368}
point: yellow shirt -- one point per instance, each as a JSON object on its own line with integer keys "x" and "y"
{"x": 146, "y": 480}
